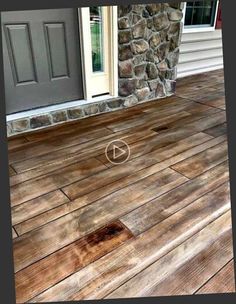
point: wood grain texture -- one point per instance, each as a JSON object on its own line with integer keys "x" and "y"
{"x": 171, "y": 136}
{"x": 222, "y": 282}
{"x": 104, "y": 276}
{"x": 185, "y": 268}
{"x": 85, "y": 229}
{"x": 77, "y": 224}
{"x": 106, "y": 182}
{"x": 198, "y": 93}
{"x": 216, "y": 100}
{"x": 158, "y": 209}
{"x": 78, "y": 152}
{"x": 32, "y": 149}
{"x": 217, "y": 130}
{"x": 42, "y": 185}
{"x": 83, "y": 125}
{"x": 37, "y": 206}
{"x": 155, "y": 115}
{"x": 16, "y": 141}
{"x": 111, "y": 175}
{"x": 194, "y": 115}
{"x": 41, "y": 275}
{"x": 203, "y": 161}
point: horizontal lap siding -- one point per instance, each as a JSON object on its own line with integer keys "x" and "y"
{"x": 200, "y": 52}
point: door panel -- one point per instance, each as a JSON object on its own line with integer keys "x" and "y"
{"x": 42, "y": 64}
{"x": 57, "y": 50}
{"x": 20, "y": 51}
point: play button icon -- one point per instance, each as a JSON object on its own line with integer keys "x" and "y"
{"x": 117, "y": 152}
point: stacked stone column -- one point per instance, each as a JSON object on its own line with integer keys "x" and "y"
{"x": 148, "y": 39}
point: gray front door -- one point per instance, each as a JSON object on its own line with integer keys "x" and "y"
{"x": 41, "y": 58}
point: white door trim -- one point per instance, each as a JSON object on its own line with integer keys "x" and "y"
{"x": 114, "y": 51}
{"x": 112, "y": 45}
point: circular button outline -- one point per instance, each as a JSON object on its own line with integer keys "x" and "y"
{"x": 112, "y": 142}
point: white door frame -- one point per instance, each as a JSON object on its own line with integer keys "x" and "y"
{"x": 112, "y": 45}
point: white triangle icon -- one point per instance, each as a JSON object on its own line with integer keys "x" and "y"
{"x": 118, "y": 152}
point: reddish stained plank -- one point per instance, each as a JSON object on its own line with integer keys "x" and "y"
{"x": 59, "y": 265}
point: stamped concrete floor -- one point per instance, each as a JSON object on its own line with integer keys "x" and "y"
{"x": 159, "y": 224}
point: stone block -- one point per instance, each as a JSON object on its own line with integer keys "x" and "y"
{"x": 161, "y": 21}
{"x": 170, "y": 86}
{"x": 9, "y": 129}
{"x": 125, "y": 52}
{"x": 162, "y": 51}
{"x": 171, "y": 73}
{"x": 40, "y": 121}
{"x": 174, "y": 42}
{"x": 125, "y": 69}
{"x": 138, "y": 59}
{"x": 140, "y": 70}
{"x": 91, "y": 109}
{"x": 155, "y": 40}
{"x": 153, "y": 84}
{"x": 139, "y": 46}
{"x": 160, "y": 90}
{"x": 152, "y": 71}
{"x": 154, "y": 9}
{"x": 124, "y": 10}
{"x": 124, "y": 36}
{"x": 123, "y": 23}
{"x": 173, "y": 58}
{"x": 142, "y": 94}
{"x": 126, "y": 87}
{"x": 130, "y": 101}
{"x": 152, "y": 95}
{"x": 174, "y": 28}
{"x": 150, "y": 55}
{"x": 115, "y": 103}
{"x": 20, "y": 125}
{"x": 139, "y": 29}
{"x": 59, "y": 116}
{"x": 135, "y": 18}
{"x": 75, "y": 113}
{"x": 174, "y": 14}
{"x": 162, "y": 66}
{"x": 149, "y": 23}
{"x": 102, "y": 107}
{"x": 140, "y": 83}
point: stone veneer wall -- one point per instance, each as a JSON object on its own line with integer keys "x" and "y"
{"x": 148, "y": 38}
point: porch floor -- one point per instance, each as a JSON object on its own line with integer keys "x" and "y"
{"x": 159, "y": 224}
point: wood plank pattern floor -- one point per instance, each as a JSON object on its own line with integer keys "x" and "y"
{"x": 159, "y": 224}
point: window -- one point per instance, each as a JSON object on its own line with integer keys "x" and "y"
{"x": 200, "y": 14}
{"x": 96, "y": 27}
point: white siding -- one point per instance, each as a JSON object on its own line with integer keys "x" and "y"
{"x": 200, "y": 52}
